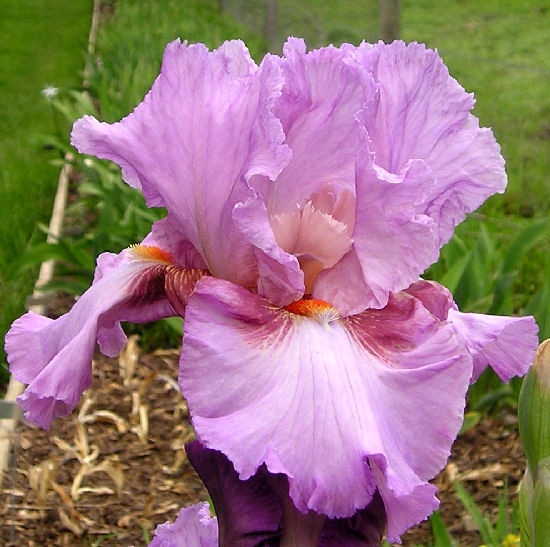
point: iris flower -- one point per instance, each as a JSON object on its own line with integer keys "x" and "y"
{"x": 305, "y": 197}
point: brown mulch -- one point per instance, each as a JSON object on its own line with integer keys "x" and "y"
{"x": 116, "y": 468}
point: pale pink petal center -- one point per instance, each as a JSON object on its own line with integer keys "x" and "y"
{"x": 317, "y": 234}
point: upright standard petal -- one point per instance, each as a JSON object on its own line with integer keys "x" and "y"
{"x": 422, "y": 113}
{"x": 321, "y": 94}
{"x": 194, "y": 527}
{"x": 320, "y": 97}
{"x": 319, "y": 398}
{"x": 280, "y": 278}
{"x": 202, "y": 131}
{"x": 393, "y": 243}
{"x": 54, "y": 356}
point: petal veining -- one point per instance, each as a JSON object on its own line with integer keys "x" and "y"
{"x": 316, "y": 401}
{"x": 321, "y": 94}
{"x": 202, "y": 131}
{"x": 423, "y": 113}
{"x": 506, "y": 344}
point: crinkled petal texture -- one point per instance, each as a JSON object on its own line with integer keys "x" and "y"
{"x": 232, "y": 148}
{"x": 422, "y": 113}
{"x": 202, "y": 131}
{"x": 194, "y": 527}
{"x": 320, "y": 97}
{"x": 393, "y": 242}
{"x": 341, "y": 407}
{"x": 396, "y": 129}
{"x": 506, "y": 344}
{"x": 54, "y": 356}
{"x": 431, "y": 165}
{"x": 322, "y": 92}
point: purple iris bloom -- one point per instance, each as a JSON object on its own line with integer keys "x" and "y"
{"x": 304, "y": 198}
{"x": 258, "y": 512}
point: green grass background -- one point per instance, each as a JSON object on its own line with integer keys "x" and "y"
{"x": 42, "y": 42}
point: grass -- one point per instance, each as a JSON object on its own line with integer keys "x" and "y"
{"x": 43, "y": 43}
{"x": 123, "y": 54}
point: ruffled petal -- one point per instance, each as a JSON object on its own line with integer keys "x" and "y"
{"x": 315, "y": 399}
{"x": 436, "y": 298}
{"x": 280, "y": 278}
{"x": 423, "y": 113}
{"x": 202, "y": 131}
{"x": 248, "y": 512}
{"x": 321, "y": 94}
{"x": 194, "y": 527}
{"x": 344, "y": 285}
{"x": 506, "y": 344}
{"x": 54, "y": 356}
{"x": 393, "y": 244}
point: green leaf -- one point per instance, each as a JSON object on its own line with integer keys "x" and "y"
{"x": 534, "y": 410}
{"x": 525, "y": 520}
{"x": 494, "y": 398}
{"x": 484, "y": 527}
{"x": 541, "y": 505}
{"x": 440, "y": 534}
{"x": 175, "y": 323}
{"x": 38, "y": 253}
{"x": 455, "y": 273}
{"x": 512, "y": 259}
{"x": 471, "y": 419}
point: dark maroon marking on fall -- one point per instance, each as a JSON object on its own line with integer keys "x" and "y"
{"x": 160, "y": 281}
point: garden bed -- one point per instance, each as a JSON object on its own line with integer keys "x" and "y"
{"x": 116, "y": 468}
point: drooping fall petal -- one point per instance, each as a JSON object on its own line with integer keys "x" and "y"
{"x": 55, "y": 356}
{"x": 506, "y": 344}
{"x": 316, "y": 398}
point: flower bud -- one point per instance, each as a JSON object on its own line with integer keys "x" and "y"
{"x": 534, "y": 427}
{"x": 534, "y": 409}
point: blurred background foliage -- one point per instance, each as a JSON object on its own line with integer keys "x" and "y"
{"x": 33, "y": 55}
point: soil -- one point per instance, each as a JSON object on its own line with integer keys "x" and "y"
{"x": 112, "y": 471}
